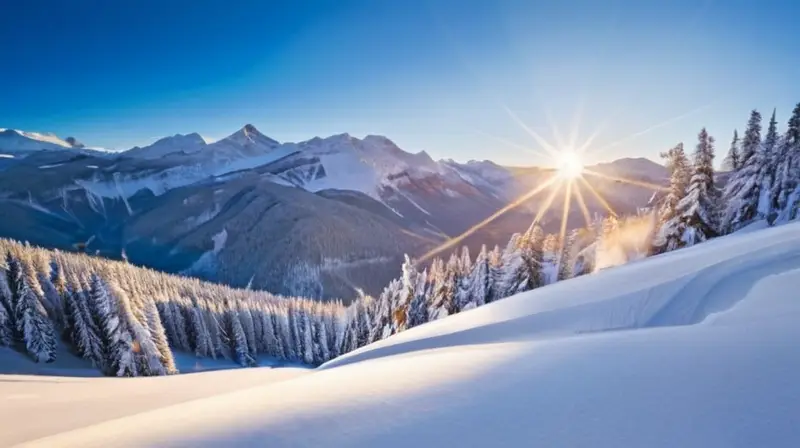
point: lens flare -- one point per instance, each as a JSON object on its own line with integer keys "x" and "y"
{"x": 569, "y": 177}
{"x": 569, "y": 164}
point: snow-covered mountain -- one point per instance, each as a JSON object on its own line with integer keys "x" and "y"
{"x": 639, "y": 168}
{"x": 14, "y": 141}
{"x": 177, "y": 143}
{"x": 693, "y": 348}
{"x": 166, "y": 202}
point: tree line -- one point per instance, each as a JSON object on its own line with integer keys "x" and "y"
{"x": 763, "y": 178}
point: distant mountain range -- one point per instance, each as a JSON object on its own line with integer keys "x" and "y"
{"x": 322, "y": 217}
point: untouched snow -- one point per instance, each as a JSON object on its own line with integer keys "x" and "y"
{"x": 39, "y": 406}
{"x": 695, "y": 348}
{"x": 16, "y": 141}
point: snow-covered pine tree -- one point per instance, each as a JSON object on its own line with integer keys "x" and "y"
{"x": 361, "y": 320}
{"x": 465, "y": 261}
{"x": 6, "y": 319}
{"x": 246, "y": 319}
{"x": 495, "y": 275}
{"x": 418, "y": 309}
{"x": 672, "y": 227}
{"x": 699, "y": 209}
{"x": 50, "y": 297}
{"x": 159, "y": 338}
{"x": 30, "y": 317}
{"x": 272, "y": 344}
{"x": 147, "y": 356}
{"x": 407, "y": 293}
{"x": 785, "y": 194}
{"x": 382, "y": 324}
{"x": 743, "y": 190}
{"x": 565, "y": 258}
{"x": 238, "y": 340}
{"x": 769, "y": 171}
{"x": 732, "y": 160}
{"x": 200, "y": 332}
{"x": 480, "y": 281}
{"x": 516, "y": 275}
{"x": 308, "y": 343}
{"x": 120, "y": 349}
{"x": 442, "y": 302}
{"x": 322, "y": 351}
{"x": 83, "y": 332}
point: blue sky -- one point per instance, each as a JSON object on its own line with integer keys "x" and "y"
{"x": 432, "y": 75}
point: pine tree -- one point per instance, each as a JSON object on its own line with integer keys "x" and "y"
{"x": 532, "y": 245}
{"x": 743, "y": 190}
{"x": 733, "y": 159}
{"x": 238, "y": 340}
{"x": 308, "y": 343}
{"x": 516, "y": 276}
{"x": 672, "y": 227}
{"x": 480, "y": 280}
{"x": 699, "y": 209}
{"x": 444, "y": 293}
{"x": 769, "y": 171}
{"x": 83, "y": 332}
{"x": 30, "y": 317}
{"x": 159, "y": 338}
{"x": 495, "y": 275}
{"x": 6, "y": 316}
{"x": 565, "y": 258}
{"x": 202, "y": 342}
{"x": 407, "y": 293}
{"x": 418, "y": 309}
{"x": 785, "y": 196}
{"x": 119, "y": 347}
{"x": 382, "y": 326}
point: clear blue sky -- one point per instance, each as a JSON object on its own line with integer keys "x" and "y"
{"x": 432, "y": 75}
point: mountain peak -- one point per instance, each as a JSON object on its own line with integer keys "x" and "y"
{"x": 250, "y": 129}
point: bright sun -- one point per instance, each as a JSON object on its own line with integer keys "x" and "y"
{"x": 569, "y": 164}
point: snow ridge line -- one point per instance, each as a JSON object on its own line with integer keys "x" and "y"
{"x": 723, "y": 285}
{"x": 675, "y": 302}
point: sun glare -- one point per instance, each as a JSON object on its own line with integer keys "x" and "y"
{"x": 570, "y": 177}
{"x": 569, "y": 164}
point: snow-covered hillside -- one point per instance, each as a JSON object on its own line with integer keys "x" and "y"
{"x": 694, "y": 348}
{"x": 21, "y": 141}
{"x": 13, "y": 141}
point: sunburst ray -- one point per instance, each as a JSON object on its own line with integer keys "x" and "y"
{"x": 554, "y": 129}
{"x": 516, "y": 203}
{"x": 627, "y": 181}
{"x": 651, "y": 128}
{"x": 564, "y": 216}
{"x": 511, "y": 144}
{"x": 541, "y": 141}
{"x": 546, "y": 205}
{"x": 585, "y": 210}
{"x": 598, "y": 196}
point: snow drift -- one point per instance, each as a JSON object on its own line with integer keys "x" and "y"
{"x": 691, "y": 348}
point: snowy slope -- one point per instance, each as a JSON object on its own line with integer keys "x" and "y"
{"x": 177, "y": 143}
{"x": 694, "y": 348}
{"x": 343, "y": 162}
{"x": 21, "y": 141}
{"x": 13, "y": 141}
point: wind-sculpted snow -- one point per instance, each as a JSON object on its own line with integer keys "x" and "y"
{"x": 694, "y": 348}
